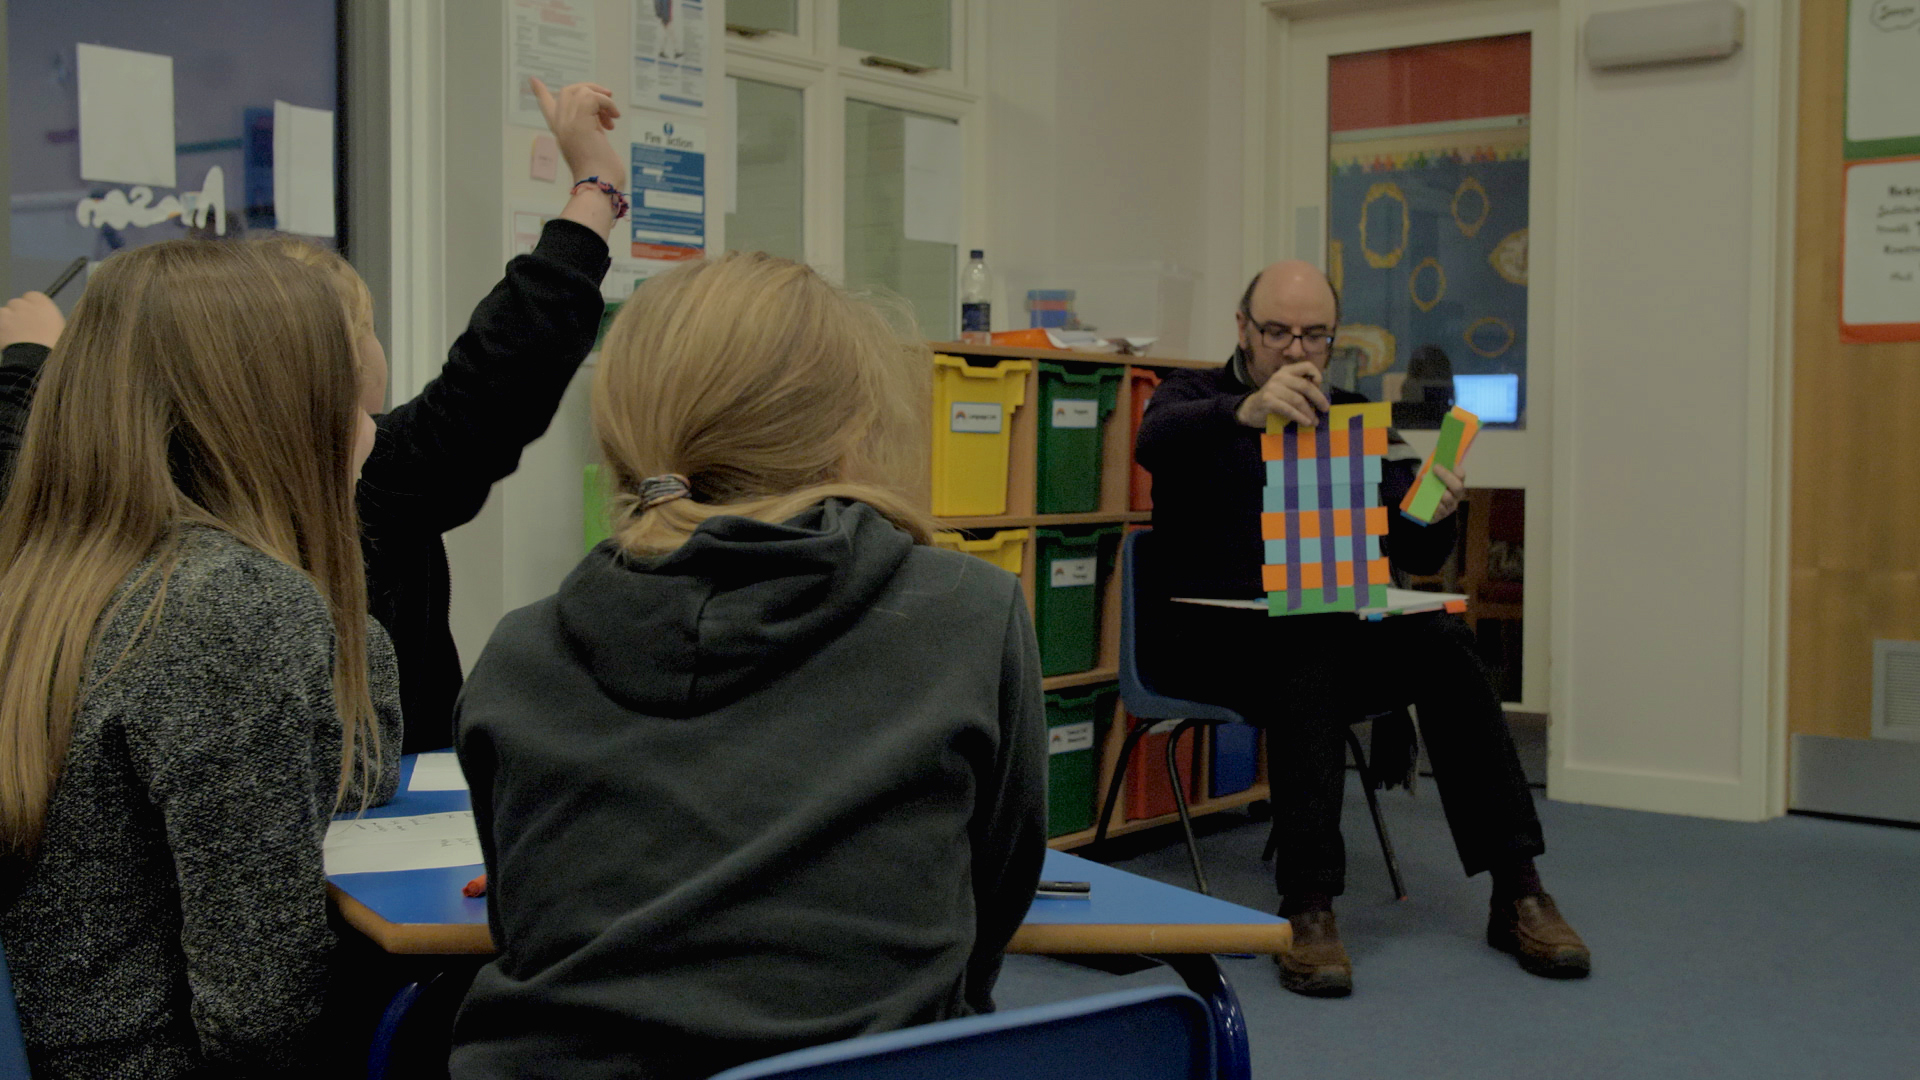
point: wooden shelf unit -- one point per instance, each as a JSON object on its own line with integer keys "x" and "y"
{"x": 1116, "y": 468}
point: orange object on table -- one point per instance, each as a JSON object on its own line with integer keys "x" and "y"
{"x": 1031, "y": 338}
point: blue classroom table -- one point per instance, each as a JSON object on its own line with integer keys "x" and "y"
{"x": 422, "y": 912}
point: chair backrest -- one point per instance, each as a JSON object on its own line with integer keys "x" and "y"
{"x": 1152, "y": 1033}
{"x": 13, "y": 1046}
{"x": 1139, "y": 590}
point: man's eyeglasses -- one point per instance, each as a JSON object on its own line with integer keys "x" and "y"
{"x": 1314, "y": 339}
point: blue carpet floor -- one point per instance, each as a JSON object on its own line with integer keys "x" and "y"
{"x": 1783, "y": 949}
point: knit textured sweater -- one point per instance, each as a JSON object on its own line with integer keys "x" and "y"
{"x": 782, "y": 786}
{"x": 174, "y": 919}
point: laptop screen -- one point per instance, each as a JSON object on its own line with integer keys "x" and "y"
{"x": 1495, "y": 399}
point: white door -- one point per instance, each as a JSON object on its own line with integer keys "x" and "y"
{"x": 1411, "y": 155}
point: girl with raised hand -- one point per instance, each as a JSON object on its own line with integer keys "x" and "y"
{"x": 192, "y": 686}
{"x": 437, "y": 456}
{"x": 768, "y": 771}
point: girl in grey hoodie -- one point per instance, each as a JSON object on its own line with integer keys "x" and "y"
{"x": 768, "y": 771}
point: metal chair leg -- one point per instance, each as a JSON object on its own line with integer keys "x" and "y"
{"x": 1119, "y": 777}
{"x": 1368, "y": 785}
{"x": 1180, "y": 803}
{"x": 1232, "y": 1058}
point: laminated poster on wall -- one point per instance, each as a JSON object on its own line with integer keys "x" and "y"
{"x": 1880, "y": 269}
{"x": 1883, "y": 78}
{"x": 669, "y": 191}
{"x": 669, "y": 54}
{"x": 551, "y": 40}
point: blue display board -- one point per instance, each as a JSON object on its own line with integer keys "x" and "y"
{"x": 230, "y": 61}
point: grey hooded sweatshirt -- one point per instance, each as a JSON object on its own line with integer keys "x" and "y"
{"x": 783, "y": 786}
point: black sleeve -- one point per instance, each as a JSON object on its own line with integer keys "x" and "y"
{"x": 1187, "y": 420}
{"x": 1413, "y": 548}
{"x": 19, "y": 371}
{"x": 503, "y": 381}
{"x": 1009, "y": 829}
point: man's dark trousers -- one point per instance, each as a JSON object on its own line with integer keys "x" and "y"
{"x": 1305, "y": 678}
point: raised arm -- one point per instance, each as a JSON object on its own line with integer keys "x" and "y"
{"x": 505, "y": 375}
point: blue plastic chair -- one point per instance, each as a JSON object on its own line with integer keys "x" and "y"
{"x": 1151, "y": 1033}
{"x": 13, "y": 1045}
{"x": 1148, "y": 704}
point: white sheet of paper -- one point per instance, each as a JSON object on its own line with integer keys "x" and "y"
{"x": 126, "y": 116}
{"x": 1880, "y": 280}
{"x": 933, "y": 166}
{"x": 378, "y": 845}
{"x": 551, "y": 40}
{"x": 302, "y": 169}
{"x": 1883, "y": 70}
{"x": 1397, "y": 600}
{"x": 437, "y": 772}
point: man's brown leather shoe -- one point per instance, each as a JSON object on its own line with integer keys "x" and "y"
{"x": 1532, "y": 930}
{"x": 1317, "y": 965}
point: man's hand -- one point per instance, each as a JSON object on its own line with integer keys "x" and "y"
{"x": 31, "y": 319}
{"x": 580, "y": 117}
{"x": 1456, "y": 490}
{"x": 1293, "y": 393}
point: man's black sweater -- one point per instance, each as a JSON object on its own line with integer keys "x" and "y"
{"x": 436, "y": 457}
{"x": 1208, "y": 483}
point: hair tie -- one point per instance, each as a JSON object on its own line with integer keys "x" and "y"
{"x": 655, "y": 490}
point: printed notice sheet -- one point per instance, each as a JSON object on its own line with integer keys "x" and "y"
{"x": 551, "y": 40}
{"x": 1883, "y": 73}
{"x": 669, "y": 188}
{"x": 1880, "y": 275}
{"x": 302, "y": 169}
{"x": 933, "y": 163}
{"x": 126, "y": 116}
{"x": 670, "y": 54}
{"x": 379, "y": 845}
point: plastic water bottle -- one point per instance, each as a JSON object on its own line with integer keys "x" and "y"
{"x": 976, "y": 306}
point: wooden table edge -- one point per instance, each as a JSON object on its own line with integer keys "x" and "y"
{"x": 412, "y": 939}
{"x": 474, "y": 939}
{"x": 1060, "y": 938}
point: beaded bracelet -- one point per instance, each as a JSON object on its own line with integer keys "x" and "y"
{"x": 620, "y": 204}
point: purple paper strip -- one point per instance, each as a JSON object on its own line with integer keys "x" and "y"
{"x": 1357, "y": 473}
{"x": 1329, "y": 567}
{"x": 1291, "y": 449}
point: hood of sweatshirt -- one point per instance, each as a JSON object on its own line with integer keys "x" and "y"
{"x": 739, "y": 604}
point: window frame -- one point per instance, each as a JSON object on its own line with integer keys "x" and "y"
{"x": 828, "y": 77}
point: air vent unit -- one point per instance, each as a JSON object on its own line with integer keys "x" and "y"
{"x": 1896, "y": 690}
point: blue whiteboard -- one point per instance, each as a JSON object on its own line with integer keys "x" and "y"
{"x": 232, "y": 59}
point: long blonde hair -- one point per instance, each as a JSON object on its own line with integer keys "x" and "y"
{"x": 769, "y": 389}
{"x": 198, "y": 382}
{"x": 347, "y": 283}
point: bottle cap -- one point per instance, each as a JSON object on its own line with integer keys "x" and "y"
{"x": 977, "y": 254}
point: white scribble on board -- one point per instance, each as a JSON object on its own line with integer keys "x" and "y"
{"x": 135, "y": 206}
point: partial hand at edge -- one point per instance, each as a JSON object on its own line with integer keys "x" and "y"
{"x": 31, "y": 319}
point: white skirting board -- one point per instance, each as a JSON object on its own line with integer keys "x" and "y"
{"x": 1875, "y": 778}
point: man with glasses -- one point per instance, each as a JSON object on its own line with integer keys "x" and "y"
{"x": 1304, "y": 678}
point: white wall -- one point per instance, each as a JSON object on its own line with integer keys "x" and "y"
{"x": 1114, "y": 130}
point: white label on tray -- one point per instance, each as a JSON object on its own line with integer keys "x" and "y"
{"x": 1067, "y": 738}
{"x": 1076, "y": 413}
{"x": 976, "y": 417}
{"x": 1066, "y": 573}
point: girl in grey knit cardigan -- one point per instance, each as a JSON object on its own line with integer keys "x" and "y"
{"x": 192, "y": 685}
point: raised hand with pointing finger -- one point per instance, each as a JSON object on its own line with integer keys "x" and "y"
{"x": 580, "y": 116}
